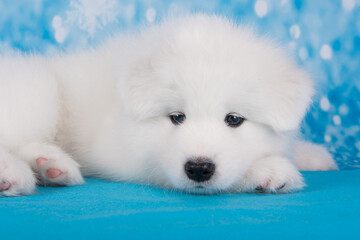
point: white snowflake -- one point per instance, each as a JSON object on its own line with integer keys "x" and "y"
{"x": 91, "y": 15}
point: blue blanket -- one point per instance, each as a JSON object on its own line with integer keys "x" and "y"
{"x": 328, "y": 209}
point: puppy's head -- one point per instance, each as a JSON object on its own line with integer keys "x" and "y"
{"x": 213, "y": 98}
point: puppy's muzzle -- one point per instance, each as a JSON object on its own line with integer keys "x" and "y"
{"x": 199, "y": 170}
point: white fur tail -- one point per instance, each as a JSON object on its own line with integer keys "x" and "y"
{"x": 312, "y": 157}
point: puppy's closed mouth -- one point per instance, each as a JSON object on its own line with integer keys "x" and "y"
{"x": 200, "y": 189}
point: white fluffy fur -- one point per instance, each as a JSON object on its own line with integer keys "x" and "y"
{"x": 107, "y": 110}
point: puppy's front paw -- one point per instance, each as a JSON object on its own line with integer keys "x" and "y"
{"x": 272, "y": 175}
{"x": 58, "y": 171}
{"x": 16, "y": 177}
{"x": 52, "y": 165}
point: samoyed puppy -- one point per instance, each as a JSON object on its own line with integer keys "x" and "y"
{"x": 197, "y": 104}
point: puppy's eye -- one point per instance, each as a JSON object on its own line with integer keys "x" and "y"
{"x": 177, "y": 117}
{"x": 234, "y": 120}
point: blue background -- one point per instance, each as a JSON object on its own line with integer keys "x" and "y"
{"x": 323, "y": 36}
{"x": 327, "y": 209}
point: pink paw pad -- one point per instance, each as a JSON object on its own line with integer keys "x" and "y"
{"x": 4, "y": 185}
{"x": 265, "y": 184}
{"x": 41, "y": 160}
{"x": 53, "y": 173}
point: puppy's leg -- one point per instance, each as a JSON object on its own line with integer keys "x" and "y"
{"x": 16, "y": 177}
{"x": 272, "y": 174}
{"x": 52, "y": 165}
{"x": 312, "y": 157}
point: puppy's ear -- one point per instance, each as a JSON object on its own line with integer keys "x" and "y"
{"x": 288, "y": 100}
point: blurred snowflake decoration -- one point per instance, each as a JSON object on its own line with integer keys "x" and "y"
{"x": 91, "y": 15}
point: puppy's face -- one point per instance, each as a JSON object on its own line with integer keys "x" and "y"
{"x": 209, "y": 151}
{"x": 214, "y": 103}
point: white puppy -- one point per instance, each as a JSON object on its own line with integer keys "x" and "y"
{"x": 196, "y": 104}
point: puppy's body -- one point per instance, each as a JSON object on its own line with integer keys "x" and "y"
{"x": 108, "y": 110}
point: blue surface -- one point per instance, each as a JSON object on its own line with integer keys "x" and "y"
{"x": 323, "y": 36}
{"x": 327, "y": 209}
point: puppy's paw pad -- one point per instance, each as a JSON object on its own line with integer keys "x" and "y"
{"x": 262, "y": 187}
{"x": 4, "y": 185}
{"x": 41, "y": 160}
{"x": 265, "y": 184}
{"x": 53, "y": 173}
{"x": 61, "y": 172}
{"x": 16, "y": 178}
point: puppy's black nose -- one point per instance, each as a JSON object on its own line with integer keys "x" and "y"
{"x": 199, "y": 171}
